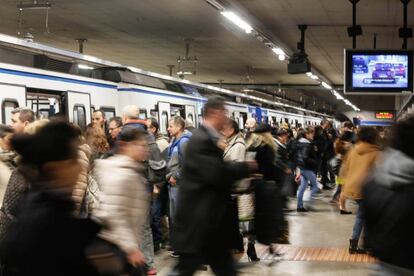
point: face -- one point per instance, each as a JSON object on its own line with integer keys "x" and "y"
{"x": 17, "y": 125}
{"x": 150, "y": 128}
{"x": 227, "y": 130}
{"x": 310, "y": 136}
{"x": 5, "y": 142}
{"x": 250, "y": 124}
{"x": 173, "y": 129}
{"x": 138, "y": 150}
{"x": 283, "y": 139}
{"x": 114, "y": 130}
{"x": 98, "y": 119}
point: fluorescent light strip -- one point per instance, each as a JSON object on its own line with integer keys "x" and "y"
{"x": 238, "y": 21}
{"x": 327, "y": 86}
{"x": 84, "y": 66}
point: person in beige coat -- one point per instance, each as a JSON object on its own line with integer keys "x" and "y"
{"x": 124, "y": 199}
{"x": 357, "y": 167}
{"x": 79, "y": 190}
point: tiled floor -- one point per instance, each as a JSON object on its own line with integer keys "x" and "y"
{"x": 322, "y": 228}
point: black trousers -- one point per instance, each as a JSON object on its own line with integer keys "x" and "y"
{"x": 325, "y": 171}
{"x": 221, "y": 263}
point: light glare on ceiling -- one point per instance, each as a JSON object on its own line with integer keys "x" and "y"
{"x": 238, "y": 21}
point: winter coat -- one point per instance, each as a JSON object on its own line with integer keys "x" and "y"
{"x": 176, "y": 152}
{"x": 18, "y": 186}
{"x": 79, "y": 189}
{"x": 389, "y": 209}
{"x": 236, "y": 149}
{"x": 265, "y": 157}
{"x": 7, "y": 165}
{"x": 356, "y": 167}
{"x": 306, "y": 155}
{"x": 204, "y": 215}
{"x": 47, "y": 239}
{"x": 124, "y": 201}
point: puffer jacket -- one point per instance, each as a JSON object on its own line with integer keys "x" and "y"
{"x": 7, "y": 165}
{"x": 357, "y": 166}
{"x": 124, "y": 200}
{"x": 236, "y": 149}
{"x": 389, "y": 209}
{"x": 306, "y": 155}
{"x": 84, "y": 153}
{"x": 176, "y": 155}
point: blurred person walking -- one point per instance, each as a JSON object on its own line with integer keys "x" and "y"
{"x": 46, "y": 238}
{"x": 388, "y": 204}
{"x": 357, "y": 166}
{"x": 202, "y": 230}
{"x": 124, "y": 195}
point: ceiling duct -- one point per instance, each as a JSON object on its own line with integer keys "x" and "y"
{"x": 47, "y": 63}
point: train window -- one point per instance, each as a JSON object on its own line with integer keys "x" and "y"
{"x": 164, "y": 119}
{"x": 92, "y": 109}
{"x": 142, "y": 114}
{"x": 200, "y": 119}
{"x": 190, "y": 117}
{"x": 109, "y": 111}
{"x": 79, "y": 116}
{"x": 7, "y": 107}
{"x": 154, "y": 113}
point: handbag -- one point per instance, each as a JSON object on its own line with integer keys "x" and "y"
{"x": 245, "y": 205}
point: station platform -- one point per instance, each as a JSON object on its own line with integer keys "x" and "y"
{"x": 318, "y": 246}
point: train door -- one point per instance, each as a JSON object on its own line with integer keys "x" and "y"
{"x": 163, "y": 116}
{"x": 11, "y": 96}
{"x": 190, "y": 114}
{"x": 78, "y": 108}
{"x": 242, "y": 119}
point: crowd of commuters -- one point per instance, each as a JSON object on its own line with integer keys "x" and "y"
{"x": 105, "y": 200}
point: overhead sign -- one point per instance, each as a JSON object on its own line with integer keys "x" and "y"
{"x": 385, "y": 115}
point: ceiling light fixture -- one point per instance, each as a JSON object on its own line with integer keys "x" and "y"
{"x": 309, "y": 74}
{"x": 84, "y": 66}
{"x": 282, "y": 57}
{"x": 237, "y": 21}
{"x": 278, "y": 51}
{"x": 314, "y": 77}
{"x": 327, "y": 86}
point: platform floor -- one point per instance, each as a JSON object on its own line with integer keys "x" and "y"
{"x": 319, "y": 240}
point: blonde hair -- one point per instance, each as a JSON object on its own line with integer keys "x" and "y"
{"x": 256, "y": 139}
{"x": 34, "y": 127}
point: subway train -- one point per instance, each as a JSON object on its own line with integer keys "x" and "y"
{"x": 76, "y": 92}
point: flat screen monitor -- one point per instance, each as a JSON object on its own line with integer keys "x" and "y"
{"x": 378, "y": 71}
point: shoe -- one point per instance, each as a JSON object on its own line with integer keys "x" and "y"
{"x": 151, "y": 271}
{"x": 354, "y": 249}
{"x": 174, "y": 254}
{"x": 302, "y": 210}
{"x": 251, "y": 253}
{"x": 343, "y": 212}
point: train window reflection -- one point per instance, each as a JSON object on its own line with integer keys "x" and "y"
{"x": 7, "y": 107}
{"x": 79, "y": 116}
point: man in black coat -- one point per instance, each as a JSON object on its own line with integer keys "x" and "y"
{"x": 202, "y": 228}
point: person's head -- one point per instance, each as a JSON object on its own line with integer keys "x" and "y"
{"x": 133, "y": 142}
{"x": 326, "y": 124}
{"x": 176, "y": 126}
{"x": 53, "y": 150}
{"x": 115, "y": 125}
{"x": 98, "y": 118}
{"x": 153, "y": 126}
{"x": 130, "y": 112}
{"x": 309, "y": 133}
{"x": 402, "y": 135}
{"x": 230, "y": 129}
{"x": 368, "y": 135}
{"x": 282, "y": 135}
{"x": 214, "y": 112}
{"x": 21, "y": 117}
{"x": 96, "y": 139}
{"x": 34, "y": 127}
{"x": 264, "y": 131}
{"x": 6, "y": 132}
{"x": 347, "y": 126}
{"x": 250, "y": 124}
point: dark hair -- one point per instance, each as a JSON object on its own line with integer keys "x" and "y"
{"x": 56, "y": 141}
{"x": 154, "y": 123}
{"x": 4, "y": 130}
{"x": 282, "y": 132}
{"x": 117, "y": 120}
{"x": 213, "y": 103}
{"x": 402, "y": 136}
{"x": 25, "y": 114}
{"x": 234, "y": 125}
{"x": 129, "y": 134}
{"x": 348, "y": 124}
{"x": 178, "y": 121}
{"x": 102, "y": 112}
{"x": 368, "y": 134}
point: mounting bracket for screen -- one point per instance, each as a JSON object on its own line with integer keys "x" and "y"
{"x": 405, "y": 33}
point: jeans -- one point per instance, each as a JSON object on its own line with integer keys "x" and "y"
{"x": 156, "y": 214}
{"x": 173, "y": 196}
{"x": 147, "y": 243}
{"x": 359, "y": 222}
{"x": 306, "y": 176}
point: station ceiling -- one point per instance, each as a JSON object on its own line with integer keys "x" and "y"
{"x": 150, "y": 34}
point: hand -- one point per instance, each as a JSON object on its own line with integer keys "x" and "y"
{"x": 172, "y": 181}
{"x": 156, "y": 190}
{"x": 136, "y": 257}
{"x": 288, "y": 171}
{"x": 252, "y": 166}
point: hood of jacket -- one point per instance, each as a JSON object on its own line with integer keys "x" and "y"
{"x": 396, "y": 170}
{"x": 362, "y": 148}
{"x": 185, "y": 136}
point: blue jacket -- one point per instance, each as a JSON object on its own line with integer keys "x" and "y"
{"x": 176, "y": 155}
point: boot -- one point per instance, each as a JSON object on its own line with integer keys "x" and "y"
{"x": 251, "y": 253}
{"x": 353, "y": 246}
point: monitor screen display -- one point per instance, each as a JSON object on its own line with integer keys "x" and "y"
{"x": 378, "y": 71}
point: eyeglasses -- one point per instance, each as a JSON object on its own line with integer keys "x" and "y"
{"x": 112, "y": 128}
